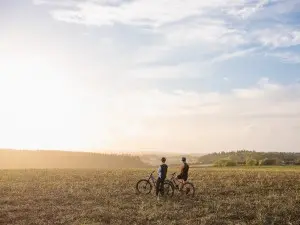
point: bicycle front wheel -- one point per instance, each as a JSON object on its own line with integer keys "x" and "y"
{"x": 143, "y": 186}
{"x": 168, "y": 189}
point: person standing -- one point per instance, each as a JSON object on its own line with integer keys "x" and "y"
{"x": 162, "y": 174}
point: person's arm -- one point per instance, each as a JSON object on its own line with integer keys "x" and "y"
{"x": 181, "y": 168}
{"x": 159, "y": 171}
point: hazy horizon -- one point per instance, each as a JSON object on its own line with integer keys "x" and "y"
{"x": 142, "y": 152}
{"x": 180, "y": 76}
{"x": 112, "y": 151}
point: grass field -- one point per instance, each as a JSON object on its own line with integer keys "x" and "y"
{"x": 223, "y": 196}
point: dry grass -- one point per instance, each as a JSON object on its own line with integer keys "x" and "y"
{"x": 223, "y": 196}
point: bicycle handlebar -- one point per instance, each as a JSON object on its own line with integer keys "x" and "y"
{"x": 173, "y": 174}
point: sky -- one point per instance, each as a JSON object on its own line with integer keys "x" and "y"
{"x": 161, "y": 75}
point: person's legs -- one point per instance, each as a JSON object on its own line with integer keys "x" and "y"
{"x": 162, "y": 187}
{"x": 158, "y": 182}
{"x": 179, "y": 181}
{"x": 183, "y": 180}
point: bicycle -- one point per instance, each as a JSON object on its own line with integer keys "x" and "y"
{"x": 183, "y": 187}
{"x": 145, "y": 186}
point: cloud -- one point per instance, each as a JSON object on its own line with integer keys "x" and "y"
{"x": 264, "y": 117}
{"x": 154, "y": 13}
{"x": 213, "y": 30}
{"x": 277, "y": 37}
{"x": 231, "y": 55}
{"x": 185, "y": 70}
{"x": 181, "y": 23}
{"x": 263, "y": 99}
{"x": 56, "y": 3}
{"x": 246, "y": 11}
{"x": 286, "y": 57}
{"x": 158, "y": 39}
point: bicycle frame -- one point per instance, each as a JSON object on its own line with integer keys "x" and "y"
{"x": 175, "y": 180}
{"x": 151, "y": 178}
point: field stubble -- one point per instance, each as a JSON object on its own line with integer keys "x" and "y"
{"x": 223, "y": 196}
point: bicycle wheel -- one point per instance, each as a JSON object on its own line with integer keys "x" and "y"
{"x": 188, "y": 189}
{"x": 168, "y": 189}
{"x": 143, "y": 186}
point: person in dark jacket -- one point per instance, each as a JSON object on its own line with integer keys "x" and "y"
{"x": 184, "y": 170}
{"x": 162, "y": 174}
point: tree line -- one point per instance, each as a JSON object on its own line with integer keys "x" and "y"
{"x": 250, "y": 158}
{"x": 20, "y": 159}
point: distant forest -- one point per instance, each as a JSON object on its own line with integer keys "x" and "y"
{"x": 251, "y": 157}
{"x": 20, "y": 159}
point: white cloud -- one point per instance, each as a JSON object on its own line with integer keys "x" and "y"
{"x": 190, "y": 38}
{"x": 287, "y": 57}
{"x": 249, "y": 9}
{"x": 215, "y": 27}
{"x": 280, "y": 36}
{"x": 174, "y": 71}
{"x": 155, "y": 13}
{"x": 264, "y": 117}
{"x": 65, "y": 3}
{"x": 228, "y": 56}
{"x": 264, "y": 99}
{"x": 204, "y": 31}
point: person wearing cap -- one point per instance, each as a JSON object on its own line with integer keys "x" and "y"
{"x": 162, "y": 174}
{"x": 184, "y": 170}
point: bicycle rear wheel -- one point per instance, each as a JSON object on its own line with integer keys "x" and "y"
{"x": 188, "y": 189}
{"x": 143, "y": 186}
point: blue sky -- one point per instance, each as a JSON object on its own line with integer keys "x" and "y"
{"x": 159, "y": 75}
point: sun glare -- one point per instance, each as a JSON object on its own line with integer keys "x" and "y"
{"x": 42, "y": 110}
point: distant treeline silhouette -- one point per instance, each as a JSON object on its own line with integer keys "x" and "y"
{"x": 244, "y": 156}
{"x": 23, "y": 159}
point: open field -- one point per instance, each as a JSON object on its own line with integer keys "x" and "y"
{"x": 223, "y": 196}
